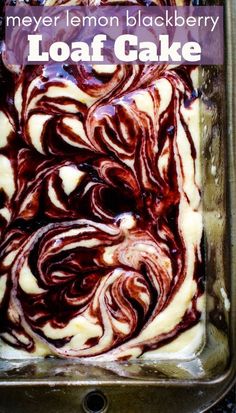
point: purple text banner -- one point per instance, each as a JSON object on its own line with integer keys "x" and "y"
{"x": 114, "y": 34}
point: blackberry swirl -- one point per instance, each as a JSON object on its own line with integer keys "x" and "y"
{"x": 100, "y": 210}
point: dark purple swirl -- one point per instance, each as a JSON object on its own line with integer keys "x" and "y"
{"x": 100, "y": 209}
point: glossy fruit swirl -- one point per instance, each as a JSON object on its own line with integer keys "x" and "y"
{"x": 100, "y": 209}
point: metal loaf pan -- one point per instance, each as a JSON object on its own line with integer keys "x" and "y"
{"x": 56, "y": 385}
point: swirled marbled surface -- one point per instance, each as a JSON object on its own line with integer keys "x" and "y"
{"x": 100, "y": 212}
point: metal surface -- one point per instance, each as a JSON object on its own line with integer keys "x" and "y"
{"x": 192, "y": 386}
